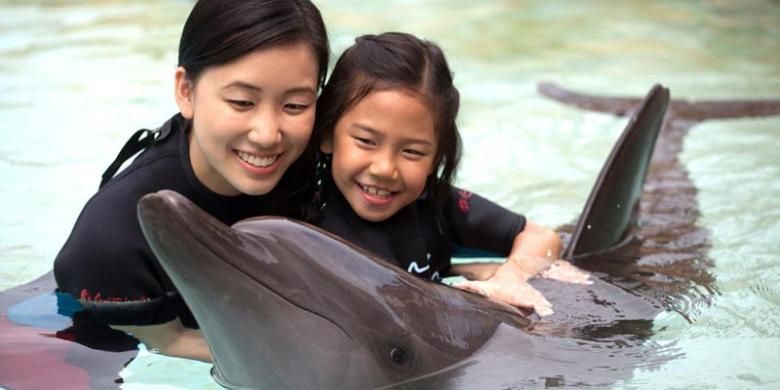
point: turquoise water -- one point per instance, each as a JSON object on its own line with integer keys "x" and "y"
{"x": 77, "y": 77}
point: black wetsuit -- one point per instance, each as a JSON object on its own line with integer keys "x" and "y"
{"x": 412, "y": 238}
{"x": 107, "y": 260}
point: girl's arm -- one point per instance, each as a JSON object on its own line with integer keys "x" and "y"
{"x": 534, "y": 252}
{"x": 481, "y": 224}
{"x": 171, "y": 339}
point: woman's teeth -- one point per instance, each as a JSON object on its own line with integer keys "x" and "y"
{"x": 378, "y": 192}
{"x": 257, "y": 161}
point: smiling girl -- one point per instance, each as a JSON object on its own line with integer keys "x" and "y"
{"x": 386, "y": 128}
{"x": 246, "y": 86}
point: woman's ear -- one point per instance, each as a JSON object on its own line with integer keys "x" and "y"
{"x": 326, "y": 146}
{"x": 183, "y": 93}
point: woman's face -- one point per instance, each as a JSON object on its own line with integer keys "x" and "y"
{"x": 251, "y": 118}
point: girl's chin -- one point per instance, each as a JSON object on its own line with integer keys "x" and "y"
{"x": 373, "y": 213}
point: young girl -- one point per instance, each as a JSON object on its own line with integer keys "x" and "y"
{"x": 248, "y": 76}
{"x": 386, "y": 127}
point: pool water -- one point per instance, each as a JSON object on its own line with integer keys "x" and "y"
{"x": 76, "y": 78}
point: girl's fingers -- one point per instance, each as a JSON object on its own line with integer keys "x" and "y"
{"x": 566, "y": 272}
{"x": 474, "y": 286}
{"x": 521, "y": 295}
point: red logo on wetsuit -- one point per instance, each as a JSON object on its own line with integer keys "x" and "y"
{"x": 86, "y": 296}
{"x": 463, "y": 201}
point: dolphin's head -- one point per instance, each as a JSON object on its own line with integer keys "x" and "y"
{"x": 285, "y": 305}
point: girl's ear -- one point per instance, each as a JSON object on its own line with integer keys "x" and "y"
{"x": 435, "y": 167}
{"x": 183, "y": 93}
{"x": 326, "y": 146}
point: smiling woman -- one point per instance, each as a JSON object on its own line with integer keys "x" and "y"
{"x": 246, "y": 84}
{"x": 252, "y": 117}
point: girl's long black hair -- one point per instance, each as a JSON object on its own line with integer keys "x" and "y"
{"x": 394, "y": 60}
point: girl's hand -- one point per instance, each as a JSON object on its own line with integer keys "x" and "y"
{"x": 550, "y": 268}
{"x": 564, "y": 271}
{"x": 511, "y": 290}
{"x": 475, "y": 271}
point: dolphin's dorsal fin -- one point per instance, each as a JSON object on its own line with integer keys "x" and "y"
{"x": 610, "y": 212}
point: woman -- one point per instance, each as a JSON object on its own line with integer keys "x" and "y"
{"x": 246, "y": 85}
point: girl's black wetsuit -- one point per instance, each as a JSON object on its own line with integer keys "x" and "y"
{"x": 411, "y": 238}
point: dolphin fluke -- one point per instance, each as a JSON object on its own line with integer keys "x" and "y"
{"x": 689, "y": 110}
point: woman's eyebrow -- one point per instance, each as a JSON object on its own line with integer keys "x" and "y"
{"x": 255, "y": 88}
{"x": 308, "y": 90}
{"x": 243, "y": 85}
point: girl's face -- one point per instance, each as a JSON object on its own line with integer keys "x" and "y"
{"x": 383, "y": 151}
{"x": 251, "y": 118}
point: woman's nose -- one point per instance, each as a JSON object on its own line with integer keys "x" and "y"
{"x": 266, "y": 131}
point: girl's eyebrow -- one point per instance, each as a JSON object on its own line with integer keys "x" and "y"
{"x": 254, "y": 88}
{"x": 381, "y": 135}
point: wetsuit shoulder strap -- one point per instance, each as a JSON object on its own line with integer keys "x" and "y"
{"x": 137, "y": 142}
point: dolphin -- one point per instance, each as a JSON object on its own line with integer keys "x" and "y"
{"x": 285, "y": 305}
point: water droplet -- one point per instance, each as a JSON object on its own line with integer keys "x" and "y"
{"x": 618, "y": 205}
{"x": 588, "y": 227}
{"x": 549, "y": 252}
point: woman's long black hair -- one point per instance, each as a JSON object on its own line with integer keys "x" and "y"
{"x": 220, "y": 31}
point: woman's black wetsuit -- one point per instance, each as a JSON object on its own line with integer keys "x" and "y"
{"x": 107, "y": 259}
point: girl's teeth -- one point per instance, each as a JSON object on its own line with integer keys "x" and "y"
{"x": 257, "y": 161}
{"x": 382, "y": 193}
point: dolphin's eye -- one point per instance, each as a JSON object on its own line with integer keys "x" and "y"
{"x": 398, "y": 355}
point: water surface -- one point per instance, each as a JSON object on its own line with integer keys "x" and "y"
{"x": 76, "y": 78}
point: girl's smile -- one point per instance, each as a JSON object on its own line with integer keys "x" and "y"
{"x": 377, "y": 196}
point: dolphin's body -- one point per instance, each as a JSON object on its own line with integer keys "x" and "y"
{"x": 285, "y": 305}
{"x": 42, "y": 347}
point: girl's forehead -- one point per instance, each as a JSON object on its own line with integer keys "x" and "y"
{"x": 385, "y": 92}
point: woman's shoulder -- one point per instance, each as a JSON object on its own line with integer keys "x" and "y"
{"x": 161, "y": 165}
{"x": 108, "y": 219}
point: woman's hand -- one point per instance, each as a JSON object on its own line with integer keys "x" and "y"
{"x": 171, "y": 339}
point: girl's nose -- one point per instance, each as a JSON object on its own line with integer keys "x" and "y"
{"x": 266, "y": 131}
{"x": 383, "y": 167}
